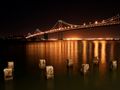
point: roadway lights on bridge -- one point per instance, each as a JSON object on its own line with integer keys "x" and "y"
{"x": 96, "y": 22}
{"x": 111, "y": 19}
{"x": 68, "y": 27}
{"x": 71, "y": 26}
{"x": 75, "y": 25}
{"x": 103, "y": 21}
{"x": 59, "y": 29}
{"x": 84, "y": 24}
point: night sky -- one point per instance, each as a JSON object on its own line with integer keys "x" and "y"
{"x": 20, "y": 17}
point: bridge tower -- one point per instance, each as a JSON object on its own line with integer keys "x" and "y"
{"x": 60, "y": 34}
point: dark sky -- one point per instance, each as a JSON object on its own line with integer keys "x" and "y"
{"x": 20, "y": 17}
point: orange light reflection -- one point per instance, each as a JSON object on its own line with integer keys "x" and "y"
{"x": 84, "y": 51}
{"x": 103, "y": 52}
{"x": 96, "y": 45}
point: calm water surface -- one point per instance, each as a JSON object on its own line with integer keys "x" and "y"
{"x": 28, "y": 76}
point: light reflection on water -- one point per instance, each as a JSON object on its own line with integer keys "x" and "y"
{"x": 103, "y": 58}
{"x": 56, "y": 53}
{"x": 96, "y": 48}
{"x": 84, "y": 52}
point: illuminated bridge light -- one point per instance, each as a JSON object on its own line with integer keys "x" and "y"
{"x": 109, "y": 38}
{"x": 90, "y": 38}
{"x": 47, "y": 32}
{"x": 111, "y": 19}
{"x": 50, "y": 31}
{"x": 100, "y": 38}
{"x": 71, "y": 26}
{"x": 116, "y": 38}
{"x": 103, "y": 21}
{"x": 72, "y": 39}
{"x": 84, "y": 24}
{"x": 96, "y": 22}
{"x": 75, "y": 26}
{"x": 52, "y": 39}
{"x": 68, "y": 27}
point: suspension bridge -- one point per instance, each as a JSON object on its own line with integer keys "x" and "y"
{"x": 63, "y": 30}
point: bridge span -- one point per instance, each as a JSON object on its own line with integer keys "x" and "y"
{"x": 108, "y": 29}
